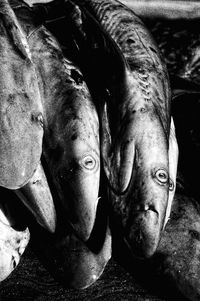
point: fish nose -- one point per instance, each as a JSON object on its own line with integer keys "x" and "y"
{"x": 143, "y": 235}
{"x": 85, "y": 218}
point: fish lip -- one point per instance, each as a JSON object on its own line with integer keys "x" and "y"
{"x": 146, "y": 207}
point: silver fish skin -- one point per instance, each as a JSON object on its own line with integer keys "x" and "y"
{"x": 71, "y": 125}
{"x": 37, "y": 197}
{"x": 21, "y": 121}
{"x": 136, "y": 140}
{"x": 13, "y": 242}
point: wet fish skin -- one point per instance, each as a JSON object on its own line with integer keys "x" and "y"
{"x": 21, "y": 126}
{"x": 36, "y": 195}
{"x": 13, "y": 241}
{"x": 144, "y": 221}
{"x": 137, "y": 138}
{"x": 71, "y": 140}
{"x": 74, "y": 263}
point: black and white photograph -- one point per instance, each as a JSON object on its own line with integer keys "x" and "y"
{"x": 99, "y": 150}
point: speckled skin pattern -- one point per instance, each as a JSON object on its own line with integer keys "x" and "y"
{"x": 21, "y": 122}
{"x": 136, "y": 127}
{"x": 71, "y": 151}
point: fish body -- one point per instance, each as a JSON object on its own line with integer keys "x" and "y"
{"x": 71, "y": 126}
{"x": 136, "y": 125}
{"x": 21, "y": 125}
{"x": 13, "y": 239}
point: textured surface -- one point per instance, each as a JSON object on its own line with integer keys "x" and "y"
{"x": 32, "y": 281}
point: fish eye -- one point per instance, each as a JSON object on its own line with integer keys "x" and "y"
{"x": 162, "y": 176}
{"x": 89, "y": 162}
{"x": 171, "y": 185}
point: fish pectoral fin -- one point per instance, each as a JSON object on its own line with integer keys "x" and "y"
{"x": 173, "y": 163}
{"x": 118, "y": 155}
{"x": 122, "y": 163}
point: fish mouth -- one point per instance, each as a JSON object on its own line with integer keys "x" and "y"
{"x": 143, "y": 235}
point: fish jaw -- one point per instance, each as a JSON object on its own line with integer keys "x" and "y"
{"x": 145, "y": 223}
{"x": 36, "y": 196}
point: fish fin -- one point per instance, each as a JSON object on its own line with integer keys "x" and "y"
{"x": 173, "y": 163}
{"x": 118, "y": 154}
{"x": 14, "y": 29}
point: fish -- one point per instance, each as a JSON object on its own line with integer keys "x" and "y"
{"x": 79, "y": 250}
{"x": 136, "y": 123}
{"x": 14, "y": 237}
{"x": 179, "y": 244}
{"x": 135, "y": 116}
{"x": 178, "y": 249}
{"x": 73, "y": 262}
{"x": 21, "y": 112}
{"x": 36, "y": 196}
{"x": 71, "y": 127}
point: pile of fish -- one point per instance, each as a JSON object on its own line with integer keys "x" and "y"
{"x": 87, "y": 141}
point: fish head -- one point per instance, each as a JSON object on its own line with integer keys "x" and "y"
{"x": 76, "y": 172}
{"x": 79, "y": 183}
{"x": 142, "y": 205}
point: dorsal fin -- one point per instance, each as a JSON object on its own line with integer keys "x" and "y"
{"x": 14, "y": 30}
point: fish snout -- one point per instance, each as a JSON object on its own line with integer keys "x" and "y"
{"x": 79, "y": 192}
{"x": 143, "y": 235}
{"x": 147, "y": 209}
